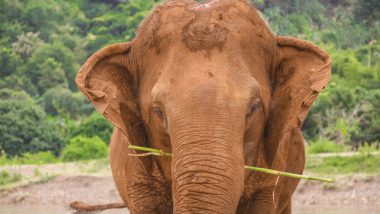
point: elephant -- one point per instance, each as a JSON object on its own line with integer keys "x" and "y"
{"x": 210, "y": 83}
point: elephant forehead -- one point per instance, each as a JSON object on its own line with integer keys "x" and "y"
{"x": 199, "y": 25}
{"x": 202, "y": 33}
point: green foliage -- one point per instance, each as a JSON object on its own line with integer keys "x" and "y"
{"x": 345, "y": 115}
{"x": 95, "y": 125}
{"x": 323, "y": 146}
{"x": 24, "y": 125}
{"x": 322, "y": 22}
{"x": 84, "y": 148}
{"x": 369, "y": 149}
{"x": 345, "y": 165}
{"x": 29, "y": 158}
{"x": 7, "y": 178}
{"x": 44, "y": 15}
{"x": 26, "y": 44}
{"x": 8, "y": 61}
{"x": 55, "y": 61}
{"x": 61, "y": 101}
{"x": 52, "y": 75}
{"x": 116, "y": 24}
{"x": 367, "y": 11}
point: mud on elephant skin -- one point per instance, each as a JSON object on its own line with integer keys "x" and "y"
{"x": 212, "y": 84}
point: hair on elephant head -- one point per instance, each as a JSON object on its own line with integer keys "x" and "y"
{"x": 212, "y": 84}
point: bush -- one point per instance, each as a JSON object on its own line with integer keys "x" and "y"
{"x": 95, "y": 125}
{"x": 29, "y": 158}
{"x": 369, "y": 149}
{"x": 61, "y": 101}
{"x": 84, "y": 148}
{"x": 9, "y": 61}
{"x": 25, "y": 127}
{"x": 348, "y": 115}
{"x": 6, "y": 178}
{"x": 52, "y": 59}
{"x": 38, "y": 158}
{"x": 323, "y": 146}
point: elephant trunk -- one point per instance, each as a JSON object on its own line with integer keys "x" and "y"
{"x": 207, "y": 168}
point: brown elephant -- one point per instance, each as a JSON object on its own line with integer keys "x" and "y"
{"x": 210, "y": 83}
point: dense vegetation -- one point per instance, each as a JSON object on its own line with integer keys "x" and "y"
{"x": 44, "y": 42}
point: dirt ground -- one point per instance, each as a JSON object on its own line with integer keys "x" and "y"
{"x": 63, "y": 190}
{"x": 98, "y": 187}
{"x": 348, "y": 191}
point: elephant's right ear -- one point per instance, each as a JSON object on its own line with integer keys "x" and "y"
{"x": 109, "y": 82}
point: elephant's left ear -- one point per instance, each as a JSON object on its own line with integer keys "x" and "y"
{"x": 303, "y": 70}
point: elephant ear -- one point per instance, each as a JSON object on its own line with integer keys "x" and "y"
{"x": 303, "y": 71}
{"x": 109, "y": 82}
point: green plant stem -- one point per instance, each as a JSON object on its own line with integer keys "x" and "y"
{"x": 252, "y": 168}
{"x": 157, "y": 152}
{"x": 288, "y": 174}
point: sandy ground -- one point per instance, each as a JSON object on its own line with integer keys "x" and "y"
{"x": 62, "y": 190}
{"x": 347, "y": 191}
{"x": 98, "y": 187}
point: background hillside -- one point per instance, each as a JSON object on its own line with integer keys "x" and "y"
{"x": 44, "y": 42}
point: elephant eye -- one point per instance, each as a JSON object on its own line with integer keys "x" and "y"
{"x": 157, "y": 111}
{"x": 256, "y": 105}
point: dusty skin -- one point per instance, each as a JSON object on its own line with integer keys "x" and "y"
{"x": 210, "y": 83}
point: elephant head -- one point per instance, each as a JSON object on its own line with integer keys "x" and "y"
{"x": 210, "y": 83}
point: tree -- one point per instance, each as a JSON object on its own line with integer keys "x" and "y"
{"x": 9, "y": 12}
{"x": 9, "y": 32}
{"x": 44, "y": 16}
{"x": 367, "y": 11}
{"x": 25, "y": 127}
{"x": 95, "y": 125}
{"x": 26, "y": 44}
{"x": 9, "y": 62}
{"x": 65, "y": 61}
{"x": 60, "y": 101}
{"x": 51, "y": 75}
{"x": 18, "y": 82}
